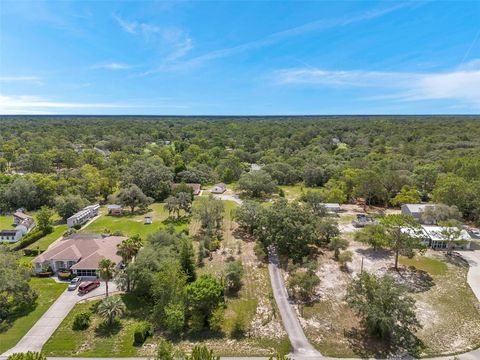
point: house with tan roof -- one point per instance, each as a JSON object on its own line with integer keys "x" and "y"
{"x": 80, "y": 254}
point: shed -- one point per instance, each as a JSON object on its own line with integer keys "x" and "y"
{"x": 219, "y": 188}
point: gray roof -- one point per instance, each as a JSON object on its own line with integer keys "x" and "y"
{"x": 417, "y": 208}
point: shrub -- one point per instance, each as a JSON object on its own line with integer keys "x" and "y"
{"x": 77, "y": 226}
{"x": 27, "y": 356}
{"x": 81, "y": 321}
{"x": 260, "y": 251}
{"x": 142, "y": 331}
{"x": 233, "y": 277}
{"x": 31, "y": 252}
{"x": 174, "y": 318}
{"x": 216, "y": 320}
{"x": 64, "y": 275}
{"x": 165, "y": 350}
{"x": 29, "y": 239}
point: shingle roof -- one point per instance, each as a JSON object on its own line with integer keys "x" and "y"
{"x": 87, "y": 252}
{"x": 417, "y": 208}
{"x": 21, "y": 215}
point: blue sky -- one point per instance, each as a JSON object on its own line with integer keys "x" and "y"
{"x": 239, "y": 58}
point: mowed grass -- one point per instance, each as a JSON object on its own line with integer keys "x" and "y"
{"x": 95, "y": 342}
{"x": 131, "y": 224}
{"x": 6, "y": 222}
{"x": 43, "y": 243}
{"x": 424, "y": 263}
{"x": 48, "y": 291}
{"x": 293, "y": 192}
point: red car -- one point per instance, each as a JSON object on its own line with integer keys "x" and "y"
{"x": 88, "y": 286}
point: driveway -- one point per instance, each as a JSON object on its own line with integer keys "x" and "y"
{"x": 38, "y": 335}
{"x": 473, "y": 277}
{"x": 302, "y": 348}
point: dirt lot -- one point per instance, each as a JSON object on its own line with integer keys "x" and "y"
{"x": 446, "y": 306}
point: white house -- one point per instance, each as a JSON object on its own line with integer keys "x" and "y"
{"x": 83, "y": 215}
{"x": 25, "y": 224}
{"x": 436, "y": 237}
{"x": 416, "y": 210}
{"x": 219, "y": 188}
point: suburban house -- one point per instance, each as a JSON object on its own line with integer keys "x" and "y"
{"x": 195, "y": 187}
{"x": 83, "y": 215}
{"x": 80, "y": 254}
{"x": 436, "y": 238}
{"x": 332, "y": 208}
{"x": 24, "y": 224}
{"x": 416, "y": 210}
{"x": 114, "y": 209}
{"x": 219, "y": 188}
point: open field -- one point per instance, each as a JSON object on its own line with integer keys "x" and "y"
{"x": 446, "y": 308}
{"x": 293, "y": 192}
{"x": 48, "y": 291}
{"x": 131, "y": 224}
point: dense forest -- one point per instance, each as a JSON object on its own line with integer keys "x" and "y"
{"x": 380, "y": 160}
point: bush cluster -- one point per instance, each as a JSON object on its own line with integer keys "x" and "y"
{"x": 142, "y": 331}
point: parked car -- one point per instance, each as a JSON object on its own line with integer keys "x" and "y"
{"x": 364, "y": 220}
{"x": 88, "y": 286}
{"x": 74, "y": 283}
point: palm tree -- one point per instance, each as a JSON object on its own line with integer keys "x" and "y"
{"x": 106, "y": 269}
{"x": 129, "y": 248}
{"x": 110, "y": 308}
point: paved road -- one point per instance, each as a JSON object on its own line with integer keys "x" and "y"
{"x": 38, "y": 335}
{"x": 302, "y": 349}
{"x": 473, "y": 276}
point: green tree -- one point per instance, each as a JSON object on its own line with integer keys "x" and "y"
{"x": 69, "y": 204}
{"x": 401, "y": 235}
{"x": 407, "y": 195}
{"x": 174, "y": 318}
{"x": 204, "y": 295}
{"x": 233, "y": 276}
{"x": 336, "y": 244}
{"x": 344, "y": 258}
{"x": 452, "y": 234}
{"x": 373, "y": 235}
{"x": 44, "y": 219}
{"x": 257, "y": 184}
{"x": 385, "y": 308}
{"x": 187, "y": 258}
{"x": 172, "y": 205}
{"x": 210, "y": 213}
{"x": 202, "y": 353}
{"x": 133, "y": 197}
{"x": 302, "y": 284}
{"x": 129, "y": 248}
{"x": 247, "y": 216}
{"x": 165, "y": 350}
{"x": 111, "y": 308}
{"x": 434, "y": 214}
{"x": 106, "y": 272}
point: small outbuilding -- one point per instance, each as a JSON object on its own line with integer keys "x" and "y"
{"x": 114, "y": 209}
{"x": 219, "y": 188}
{"x": 416, "y": 210}
{"x": 331, "y": 207}
{"x": 148, "y": 220}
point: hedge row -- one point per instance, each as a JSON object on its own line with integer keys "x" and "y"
{"x": 30, "y": 238}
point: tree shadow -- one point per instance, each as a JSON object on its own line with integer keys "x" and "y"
{"x": 243, "y": 235}
{"x": 371, "y": 254}
{"x": 456, "y": 259}
{"x": 415, "y": 280}
{"x": 19, "y": 312}
{"x": 106, "y": 329}
{"x": 367, "y": 346}
{"x": 182, "y": 220}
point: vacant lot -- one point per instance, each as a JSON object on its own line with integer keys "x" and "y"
{"x": 446, "y": 306}
{"x": 48, "y": 291}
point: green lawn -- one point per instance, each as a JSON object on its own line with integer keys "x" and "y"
{"x": 6, "y": 222}
{"x": 129, "y": 224}
{"x": 93, "y": 341}
{"x": 45, "y": 241}
{"x": 428, "y": 264}
{"x": 48, "y": 291}
{"x": 293, "y": 192}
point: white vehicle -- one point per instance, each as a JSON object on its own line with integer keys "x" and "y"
{"x": 74, "y": 283}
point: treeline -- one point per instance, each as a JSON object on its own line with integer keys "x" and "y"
{"x": 382, "y": 160}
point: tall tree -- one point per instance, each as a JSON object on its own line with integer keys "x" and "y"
{"x": 133, "y": 197}
{"x": 110, "y": 308}
{"x": 106, "y": 271}
{"x": 44, "y": 219}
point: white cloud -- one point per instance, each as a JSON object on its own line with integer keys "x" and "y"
{"x": 19, "y": 78}
{"x": 461, "y": 84}
{"x": 25, "y": 104}
{"x": 176, "y": 38}
{"x": 113, "y": 66}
